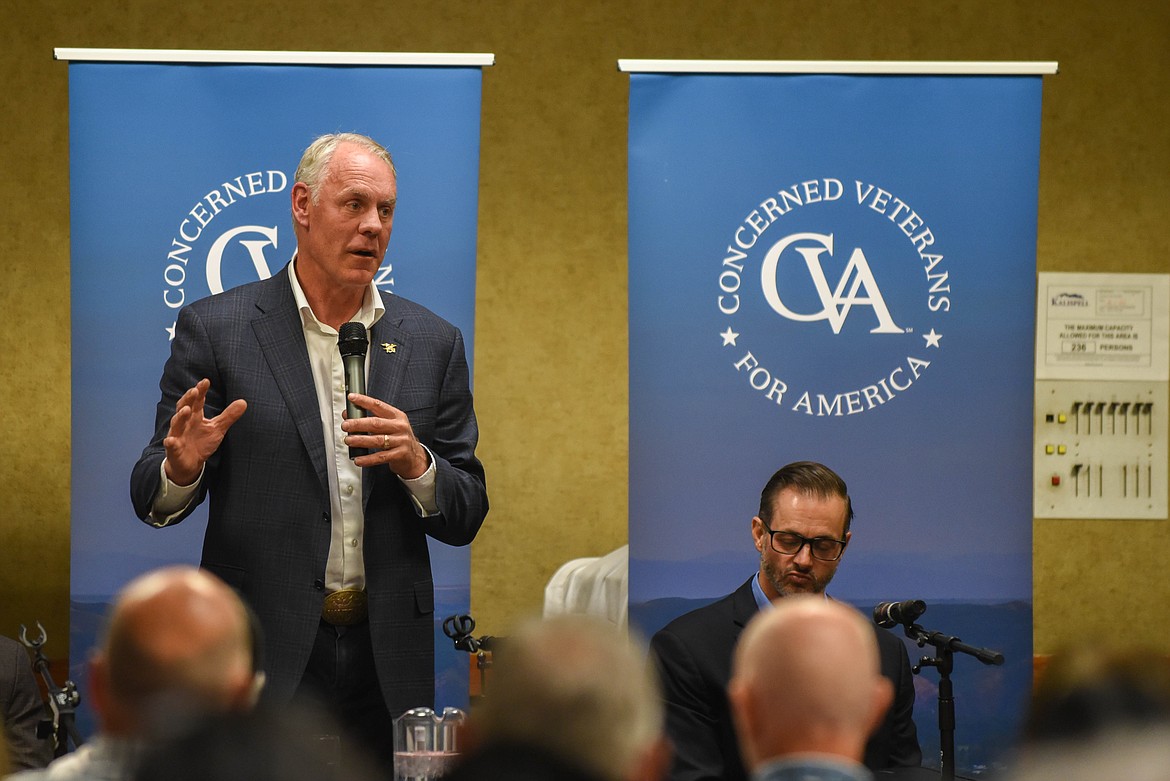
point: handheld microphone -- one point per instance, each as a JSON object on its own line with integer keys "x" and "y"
{"x": 352, "y": 343}
{"x": 889, "y": 614}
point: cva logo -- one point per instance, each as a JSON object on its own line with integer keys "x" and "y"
{"x": 894, "y": 299}
{"x": 242, "y": 202}
{"x": 856, "y": 286}
{"x": 254, "y": 248}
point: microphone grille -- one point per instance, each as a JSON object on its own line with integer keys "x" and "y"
{"x": 351, "y": 339}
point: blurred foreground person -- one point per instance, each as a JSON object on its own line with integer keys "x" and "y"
{"x": 1098, "y": 713}
{"x": 807, "y": 692}
{"x": 1088, "y": 690}
{"x": 290, "y": 743}
{"x": 1124, "y": 753}
{"x": 570, "y": 697}
{"x": 23, "y": 709}
{"x": 178, "y": 646}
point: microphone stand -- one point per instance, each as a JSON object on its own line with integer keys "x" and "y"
{"x": 945, "y": 647}
{"x": 459, "y": 629}
{"x": 63, "y": 702}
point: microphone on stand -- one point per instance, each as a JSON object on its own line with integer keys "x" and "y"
{"x": 352, "y": 343}
{"x": 890, "y": 614}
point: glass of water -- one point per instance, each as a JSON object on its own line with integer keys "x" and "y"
{"x": 426, "y": 744}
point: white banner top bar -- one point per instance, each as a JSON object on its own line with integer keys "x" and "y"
{"x": 875, "y": 67}
{"x": 275, "y": 57}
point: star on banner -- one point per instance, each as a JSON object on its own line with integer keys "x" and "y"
{"x": 932, "y": 338}
{"x": 729, "y": 337}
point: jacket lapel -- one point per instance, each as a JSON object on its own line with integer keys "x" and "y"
{"x": 389, "y": 355}
{"x": 281, "y": 338}
{"x": 743, "y": 603}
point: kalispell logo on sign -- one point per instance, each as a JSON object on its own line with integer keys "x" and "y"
{"x": 788, "y": 255}
{"x": 1075, "y": 300}
{"x": 239, "y": 248}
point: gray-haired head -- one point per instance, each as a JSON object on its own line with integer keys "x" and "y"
{"x": 579, "y": 687}
{"x": 314, "y": 163}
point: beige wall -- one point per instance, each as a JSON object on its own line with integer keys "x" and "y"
{"x": 551, "y": 329}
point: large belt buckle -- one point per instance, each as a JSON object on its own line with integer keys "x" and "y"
{"x": 345, "y": 607}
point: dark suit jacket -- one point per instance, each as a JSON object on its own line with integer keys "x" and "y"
{"x": 23, "y": 709}
{"x": 269, "y": 519}
{"x": 693, "y": 654}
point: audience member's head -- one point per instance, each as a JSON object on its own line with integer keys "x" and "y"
{"x": 1088, "y": 690}
{"x": 1098, "y": 713}
{"x": 1129, "y": 752}
{"x": 266, "y": 744}
{"x": 806, "y": 680}
{"x": 580, "y": 689}
{"x": 178, "y": 644}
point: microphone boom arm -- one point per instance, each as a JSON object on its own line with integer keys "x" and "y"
{"x": 944, "y": 659}
{"x": 940, "y": 641}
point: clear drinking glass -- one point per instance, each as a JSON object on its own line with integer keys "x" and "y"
{"x": 425, "y": 743}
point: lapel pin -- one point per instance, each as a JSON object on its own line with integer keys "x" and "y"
{"x": 390, "y": 347}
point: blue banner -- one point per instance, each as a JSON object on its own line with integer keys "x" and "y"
{"x": 180, "y": 188}
{"x": 841, "y": 269}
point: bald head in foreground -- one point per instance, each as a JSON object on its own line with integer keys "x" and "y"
{"x": 178, "y": 647}
{"x": 178, "y": 638}
{"x": 807, "y": 691}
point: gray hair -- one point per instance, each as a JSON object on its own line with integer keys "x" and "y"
{"x": 315, "y": 160}
{"x": 576, "y": 686}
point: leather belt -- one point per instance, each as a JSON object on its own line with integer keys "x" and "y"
{"x": 346, "y": 607}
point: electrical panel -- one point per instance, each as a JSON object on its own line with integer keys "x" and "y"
{"x": 1100, "y": 449}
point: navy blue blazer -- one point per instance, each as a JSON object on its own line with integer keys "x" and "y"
{"x": 693, "y": 655}
{"x": 269, "y": 520}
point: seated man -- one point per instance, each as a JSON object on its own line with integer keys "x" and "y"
{"x": 806, "y": 692}
{"x": 801, "y": 533}
{"x": 178, "y": 646}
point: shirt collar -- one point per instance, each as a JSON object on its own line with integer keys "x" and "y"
{"x": 371, "y": 310}
{"x": 831, "y": 767}
{"x": 762, "y": 601}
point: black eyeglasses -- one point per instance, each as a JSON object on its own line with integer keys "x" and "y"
{"x": 791, "y": 543}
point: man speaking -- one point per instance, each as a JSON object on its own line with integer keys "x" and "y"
{"x": 326, "y": 544}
